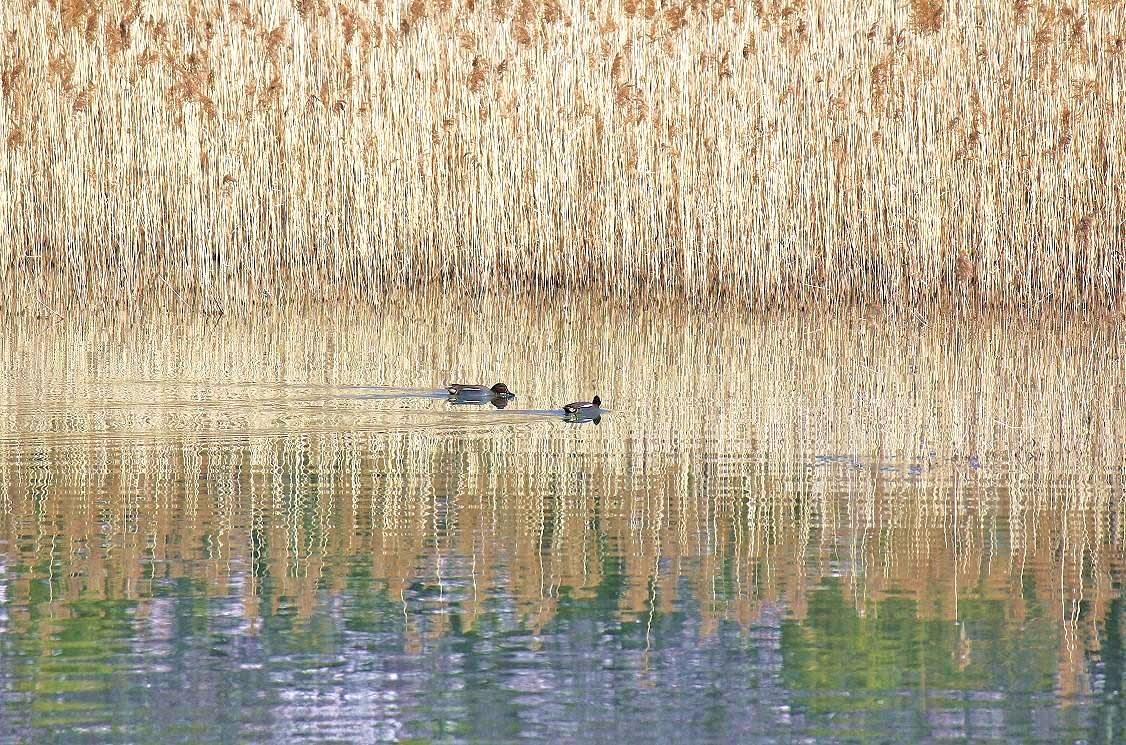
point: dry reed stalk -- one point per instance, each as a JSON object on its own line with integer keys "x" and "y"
{"x": 257, "y": 152}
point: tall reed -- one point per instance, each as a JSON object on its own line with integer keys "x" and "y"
{"x": 226, "y": 154}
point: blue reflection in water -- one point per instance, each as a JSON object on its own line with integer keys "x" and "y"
{"x": 366, "y": 666}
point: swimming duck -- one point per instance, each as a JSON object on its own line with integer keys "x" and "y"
{"x": 583, "y": 406}
{"x": 585, "y": 410}
{"x": 479, "y": 392}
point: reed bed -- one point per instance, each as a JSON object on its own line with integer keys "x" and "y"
{"x": 226, "y": 154}
{"x": 943, "y": 465}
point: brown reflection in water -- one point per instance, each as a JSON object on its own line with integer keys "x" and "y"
{"x": 746, "y": 459}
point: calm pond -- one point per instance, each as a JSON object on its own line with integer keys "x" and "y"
{"x": 219, "y": 530}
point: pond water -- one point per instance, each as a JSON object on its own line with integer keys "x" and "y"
{"x": 783, "y": 530}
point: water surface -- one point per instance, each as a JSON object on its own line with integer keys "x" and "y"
{"x": 214, "y": 530}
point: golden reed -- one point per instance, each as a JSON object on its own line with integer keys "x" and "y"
{"x": 224, "y": 153}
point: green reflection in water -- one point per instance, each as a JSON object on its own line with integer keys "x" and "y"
{"x": 890, "y": 648}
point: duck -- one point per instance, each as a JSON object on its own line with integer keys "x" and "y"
{"x": 585, "y": 410}
{"x": 583, "y": 406}
{"x": 479, "y": 392}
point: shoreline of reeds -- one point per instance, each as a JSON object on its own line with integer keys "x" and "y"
{"x": 231, "y": 156}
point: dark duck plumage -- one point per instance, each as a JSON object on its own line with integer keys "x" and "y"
{"x": 463, "y": 390}
{"x": 584, "y": 408}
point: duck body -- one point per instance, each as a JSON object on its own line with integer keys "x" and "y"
{"x": 468, "y": 392}
{"x": 585, "y": 410}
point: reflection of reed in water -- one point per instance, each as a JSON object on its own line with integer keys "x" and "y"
{"x": 938, "y": 464}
